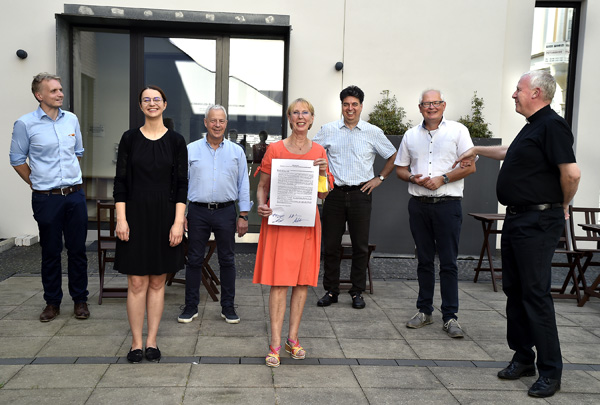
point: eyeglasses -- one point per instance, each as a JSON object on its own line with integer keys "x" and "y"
{"x": 427, "y": 104}
{"x": 147, "y": 100}
{"x": 299, "y": 113}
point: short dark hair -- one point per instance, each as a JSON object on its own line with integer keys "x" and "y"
{"x": 352, "y": 91}
{"x": 152, "y": 87}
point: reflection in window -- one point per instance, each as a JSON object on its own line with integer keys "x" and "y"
{"x": 550, "y": 48}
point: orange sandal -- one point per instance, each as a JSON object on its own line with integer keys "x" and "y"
{"x": 272, "y": 359}
{"x": 294, "y": 349}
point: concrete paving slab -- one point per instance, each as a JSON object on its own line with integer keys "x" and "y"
{"x": 7, "y": 372}
{"x": 11, "y": 327}
{"x": 231, "y": 346}
{"x": 581, "y": 353}
{"x": 314, "y": 377}
{"x": 570, "y": 334}
{"x": 94, "y": 327}
{"x": 568, "y": 398}
{"x": 354, "y": 396}
{"x": 46, "y": 396}
{"x": 136, "y": 395}
{"x": 7, "y": 309}
{"x": 145, "y": 375}
{"x": 495, "y": 397}
{"x": 248, "y": 300}
{"x": 392, "y": 302}
{"x": 22, "y": 346}
{"x": 375, "y": 330}
{"x": 393, "y": 396}
{"x": 343, "y": 312}
{"x": 318, "y": 348}
{"x": 376, "y": 348}
{"x": 581, "y": 318}
{"x": 250, "y": 396}
{"x": 170, "y": 327}
{"x": 449, "y": 349}
{"x": 57, "y": 376}
{"x": 396, "y": 377}
{"x": 17, "y": 297}
{"x": 496, "y": 349}
{"x": 244, "y": 328}
{"x": 577, "y": 381}
{"x": 79, "y": 346}
{"x": 225, "y": 376}
{"x": 478, "y": 379}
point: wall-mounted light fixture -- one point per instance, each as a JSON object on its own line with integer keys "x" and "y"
{"x": 21, "y": 54}
{"x": 339, "y": 66}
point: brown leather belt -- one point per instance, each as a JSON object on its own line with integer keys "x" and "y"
{"x": 435, "y": 200}
{"x": 61, "y": 191}
{"x": 213, "y": 206}
{"x": 517, "y": 209}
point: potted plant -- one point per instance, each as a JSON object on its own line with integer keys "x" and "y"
{"x": 475, "y": 123}
{"x": 388, "y": 116}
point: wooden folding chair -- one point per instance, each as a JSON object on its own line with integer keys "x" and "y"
{"x": 106, "y": 249}
{"x": 565, "y": 247}
{"x": 583, "y": 243}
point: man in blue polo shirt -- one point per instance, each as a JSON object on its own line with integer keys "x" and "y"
{"x": 51, "y": 139}
{"x": 218, "y": 176}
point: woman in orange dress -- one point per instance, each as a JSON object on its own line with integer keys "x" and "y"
{"x": 289, "y": 256}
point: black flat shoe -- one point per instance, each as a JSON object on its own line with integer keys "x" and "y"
{"x": 358, "y": 302}
{"x": 516, "y": 370}
{"x": 135, "y": 356}
{"x": 544, "y": 387}
{"x": 152, "y": 354}
{"x": 328, "y": 299}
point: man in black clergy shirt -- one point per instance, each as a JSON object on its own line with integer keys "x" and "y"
{"x": 537, "y": 181}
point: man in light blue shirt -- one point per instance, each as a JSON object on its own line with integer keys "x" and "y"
{"x": 351, "y": 146}
{"x": 218, "y": 176}
{"x": 45, "y": 150}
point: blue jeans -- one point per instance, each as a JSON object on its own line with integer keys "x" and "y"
{"x": 436, "y": 227}
{"x": 59, "y": 216}
{"x": 340, "y": 207}
{"x": 201, "y": 222}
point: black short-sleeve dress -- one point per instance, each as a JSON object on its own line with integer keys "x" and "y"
{"x": 151, "y": 178}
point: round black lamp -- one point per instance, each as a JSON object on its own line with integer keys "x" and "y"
{"x": 339, "y": 66}
{"x": 21, "y": 54}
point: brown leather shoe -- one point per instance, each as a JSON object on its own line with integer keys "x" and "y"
{"x": 81, "y": 310}
{"x": 49, "y": 313}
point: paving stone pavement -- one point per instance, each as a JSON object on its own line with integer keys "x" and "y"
{"x": 356, "y": 356}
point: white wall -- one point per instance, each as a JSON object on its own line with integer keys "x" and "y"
{"x": 401, "y": 46}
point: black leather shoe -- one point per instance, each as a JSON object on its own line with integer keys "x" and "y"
{"x": 152, "y": 354}
{"x": 358, "y": 302}
{"x": 544, "y": 387}
{"x": 516, "y": 370}
{"x": 328, "y": 299}
{"x": 135, "y": 356}
{"x": 81, "y": 310}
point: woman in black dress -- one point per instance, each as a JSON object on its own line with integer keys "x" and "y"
{"x": 150, "y": 193}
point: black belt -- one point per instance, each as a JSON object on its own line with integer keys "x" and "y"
{"x": 517, "y": 209}
{"x": 348, "y": 188}
{"x": 213, "y": 206}
{"x": 60, "y": 191}
{"x": 434, "y": 200}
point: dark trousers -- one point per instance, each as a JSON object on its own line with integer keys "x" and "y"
{"x": 59, "y": 216}
{"x": 436, "y": 227}
{"x": 340, "y": 207}
{"x": 201, "y": 222}
{"x": 528, "y": 243}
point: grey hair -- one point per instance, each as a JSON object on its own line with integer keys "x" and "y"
{"x": 427, "y": 91}
{"x": 215, "y": 107}
{"x": 543, "y": 80}
{"x": 38, "y": 79}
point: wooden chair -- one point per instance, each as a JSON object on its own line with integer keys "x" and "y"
{"x": 583, "y": 243}
{"x": 346, "y": 253}
{"x": 106, "y": 249}
{"x": 566, "y": 247}
{"x": 209, "y": 278}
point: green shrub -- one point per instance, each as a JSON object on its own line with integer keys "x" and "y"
{"x": 475, "y": 123}
{"x": 388, "y": 116}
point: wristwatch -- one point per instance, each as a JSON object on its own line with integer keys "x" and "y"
{"x": 244, "y": 217}
{"x": 381, "y": 177}
{"x": 446, "y": 179}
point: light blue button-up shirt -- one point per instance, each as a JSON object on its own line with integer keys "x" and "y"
{"x": 217, "y": 176}
{"x": 351, "y": 152}
{"x": 51, "y": 146}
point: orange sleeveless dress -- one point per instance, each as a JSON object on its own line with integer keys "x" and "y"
{"x": 288, "y": 255}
